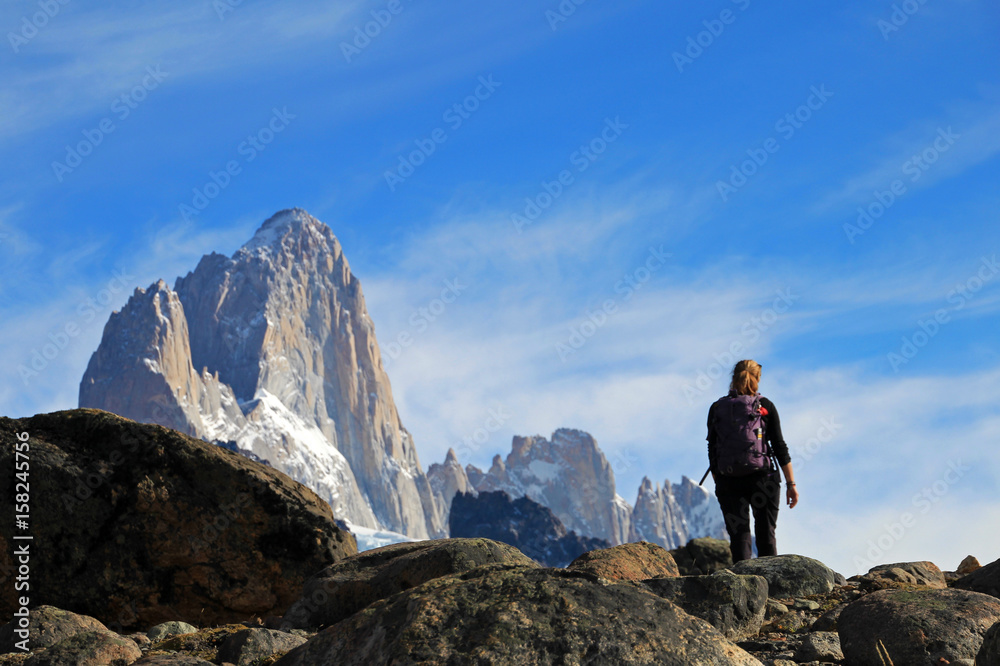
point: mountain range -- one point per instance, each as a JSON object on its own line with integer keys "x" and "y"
{"x": 271, "y": 352}
{"x": 569, "y": 474}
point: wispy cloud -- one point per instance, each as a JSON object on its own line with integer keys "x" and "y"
{"x": 925, "y": 153}
{"x": 627, "y": 381}
{"x": 81, "y": 62}
{"x": 48, "y": 341}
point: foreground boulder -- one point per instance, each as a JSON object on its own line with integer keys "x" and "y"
{"x": 989, "y": 653}
{"x": 249, "y": 647}
{"x": 789, "y": 575}
{"x": 985, "y": 579}
{"x": 703, "y": 556}
{"x": 904, "y": 574}
{"x": 917, "y": 627}
{"x": 968, "y": 565}
{"x": 204, "y": 644}
{"x": 822, "y": 646}
{"x": 516, "y": 615}
{"x": 733, "y": 604}
{"x": 137, "y": 524}
{"x": 93, "y": 648}
{"x": 629, "y": 561}
{"x": 48, "y": 626}
{"x": 342, "y": 589}
{"x": 171, "y": 660}
{"x": 167, "y": 629}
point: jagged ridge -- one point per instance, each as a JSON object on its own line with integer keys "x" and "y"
{"x": 272, "y": 348}
{"x": 570, "y": 475}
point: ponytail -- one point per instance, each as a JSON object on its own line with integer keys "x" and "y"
{"x": 746, "y": 377}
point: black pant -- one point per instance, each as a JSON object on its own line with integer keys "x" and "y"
{"x": 760, "y": 492}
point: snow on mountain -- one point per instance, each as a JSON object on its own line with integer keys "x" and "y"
{"x": 674, "y": 514}
{"x": 273, "y": 349}
{"x": 570, "y": 475}
{"x": 368, "y": 538}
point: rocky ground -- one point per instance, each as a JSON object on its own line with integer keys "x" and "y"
{"x": 476, "y": 601}
{"x": 274, "y": 581}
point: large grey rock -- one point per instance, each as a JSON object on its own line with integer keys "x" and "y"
{"x": 47, "y": 625}
{"x": 733, "y": 604}
{"x": 502, "y": 615}
{"x": 989, "y": 653}
{"x": 985, "y": 579}
{"x": 820, "y": 646}
{"x": 204, "y": 643}
{"x": 92, "y": 648}
{"x": 789, "y": 575}
{"x": 629, "y": 561}
{"x": 172, "y": 628}
{"x": 703, "y": 556}
{"x": 917, "y": 627}
{"x": 342, "y": 589}
{"x": 136, "y": 524}
{"x": 925, "y": 574}
{"x": 968, "y": 565}
{"x": 273, "y": 349}
{"x": 246, "y": 648}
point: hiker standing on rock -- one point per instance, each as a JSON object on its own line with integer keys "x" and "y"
{"x": 745, "y": 450}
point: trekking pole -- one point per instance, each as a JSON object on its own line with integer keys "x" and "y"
{"x": 705, "y": 477}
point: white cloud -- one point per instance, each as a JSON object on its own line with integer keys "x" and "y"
{"x": 965, "y": 137}
{"x": 43, "y": 364}
{"x": 626, "y": 384}
{"x": 86, "y": 57}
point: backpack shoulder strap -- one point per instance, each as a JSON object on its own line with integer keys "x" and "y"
{"x": 763, "y": 422}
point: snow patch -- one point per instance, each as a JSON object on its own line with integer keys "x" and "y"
{"x": 369, "y": 538}
{"x": 545, "y": 472}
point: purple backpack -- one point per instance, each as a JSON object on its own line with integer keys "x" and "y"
{"x": 739, "y": 435}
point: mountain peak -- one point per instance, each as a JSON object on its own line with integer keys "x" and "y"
{"x": 291, "y": 222}
{"x": 282, "y": 325}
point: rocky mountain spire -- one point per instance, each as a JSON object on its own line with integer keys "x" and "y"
{"x": 570, "y": 475}
{"x": 448, "y": 479}
{"x": 273, "y": 348}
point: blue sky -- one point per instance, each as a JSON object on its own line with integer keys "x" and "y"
{"x": 698, "y": 173}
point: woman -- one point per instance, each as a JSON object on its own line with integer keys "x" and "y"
{"x": 760, "y": 490}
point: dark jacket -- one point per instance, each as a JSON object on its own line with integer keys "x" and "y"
{"x": 772, "y": 431}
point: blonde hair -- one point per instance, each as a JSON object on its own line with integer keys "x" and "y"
{"x": 746, "y": 377}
